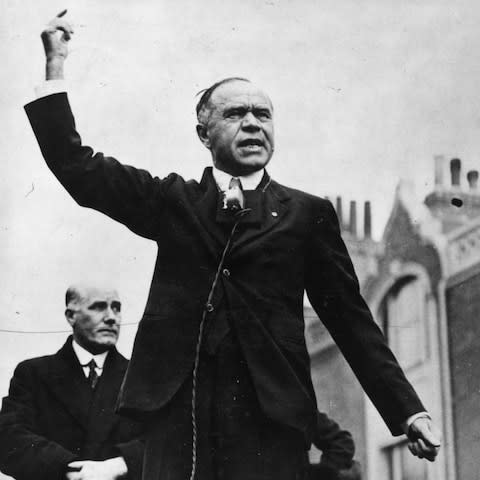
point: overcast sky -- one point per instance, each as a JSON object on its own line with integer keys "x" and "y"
{"x": 365, "y": 93}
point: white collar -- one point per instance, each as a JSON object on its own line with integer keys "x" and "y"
{"x": 84, "y": 356}
{"x": 249, "y": 182}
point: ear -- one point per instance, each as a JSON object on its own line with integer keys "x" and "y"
{"x": 202, "y": 132}
{"x": 69, "y": 316}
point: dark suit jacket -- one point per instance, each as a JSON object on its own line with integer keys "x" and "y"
{"x": 337, "y": 445}
{"x": 337, "y": 448}
{"x": 51, "y": 417}
{"x": 290, "y": 243}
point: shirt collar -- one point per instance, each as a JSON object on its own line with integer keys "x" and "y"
{"x": 249, "y": 182}
{"x": 84, "y": 356}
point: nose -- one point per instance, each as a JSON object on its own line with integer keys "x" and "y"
{"x": 250, "y": 122}
{"x": 110, "y": 317}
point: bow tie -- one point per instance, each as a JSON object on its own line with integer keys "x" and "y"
{"x": 233, "y": 199}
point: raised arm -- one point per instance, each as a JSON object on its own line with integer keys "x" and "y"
{"x": 127, "y": 194}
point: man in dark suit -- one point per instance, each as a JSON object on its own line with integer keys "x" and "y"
{"x": 220, "y": 364}
{"x": 58, "y": 421}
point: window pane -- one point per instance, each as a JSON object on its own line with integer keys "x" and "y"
{"x": 405, "y": 312}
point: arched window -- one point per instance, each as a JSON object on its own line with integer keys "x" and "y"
{"x": 403, "y": 317}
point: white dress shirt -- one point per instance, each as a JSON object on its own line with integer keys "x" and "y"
{"x": 49, "y": 87}
{"x": 249, "y": 182}
{"x": 84, "y": 357}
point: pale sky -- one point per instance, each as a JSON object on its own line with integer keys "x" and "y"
{"x": 365, "y": 93}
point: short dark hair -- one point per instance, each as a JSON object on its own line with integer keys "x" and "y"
{"x": 207, "y": 92}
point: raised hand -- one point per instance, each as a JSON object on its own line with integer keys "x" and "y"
{"x": 55, "y": 39}
{"x": 425, "y": 439}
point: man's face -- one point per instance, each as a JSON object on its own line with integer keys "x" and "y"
{"x": 239, "y": 130}
{"x": 95, "y": 317}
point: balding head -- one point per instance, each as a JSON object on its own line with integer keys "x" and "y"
{"x": 236, "y": 125}
{"x": 203, "y": 106}
{"x": 94, "y": 313}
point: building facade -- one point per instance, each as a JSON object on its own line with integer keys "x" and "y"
{"x": 422, "y": 283}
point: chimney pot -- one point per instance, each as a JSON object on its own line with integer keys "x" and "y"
{"x": 455, "y": 167}
{"x": 367, "y": 220}
{"x": 472, "y": 177}
{"x": 353, "y": 218}
{"x": 339, "y": 211}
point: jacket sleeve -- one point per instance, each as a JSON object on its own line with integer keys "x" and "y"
{"x": 132, "y": 453}
{"x": 24, "y": 453}
{"x": 337, "y": 445}
{"x": 126, "y": 194}
{"x": 333, "y": 290}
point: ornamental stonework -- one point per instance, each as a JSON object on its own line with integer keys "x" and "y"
{"x": 464, "y": 250}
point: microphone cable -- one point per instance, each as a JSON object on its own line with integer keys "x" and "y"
{"x": 207, "y": 309}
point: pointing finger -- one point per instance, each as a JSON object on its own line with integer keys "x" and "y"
{"x": 62, "y": 13}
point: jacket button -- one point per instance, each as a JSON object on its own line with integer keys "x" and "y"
{"x": 209, "y": 307}
{"x": 226, "y": 272}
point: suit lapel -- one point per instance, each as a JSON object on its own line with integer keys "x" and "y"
{"x": 67, "y": 382}
{"x": 102, "y": 414}
{"x": 206, "y": 208}
{"x": 268, "y": 203}
{"x": 273, "y": 206}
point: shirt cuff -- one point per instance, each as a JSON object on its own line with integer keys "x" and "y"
{"x": 50, "y": 87}
{"x": 406, "y": 425}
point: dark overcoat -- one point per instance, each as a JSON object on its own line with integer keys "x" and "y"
{"x": 289, "y": 244}
{"x": 51, "y": 417}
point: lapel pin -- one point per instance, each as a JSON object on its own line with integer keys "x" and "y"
{"x": 274, "y": 214}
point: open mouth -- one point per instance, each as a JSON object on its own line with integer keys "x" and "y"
{"x": 251, "y": 143}
{"x": 251, "y": 146}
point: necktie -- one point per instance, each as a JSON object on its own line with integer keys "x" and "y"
{"x": 92, "y": 374}
{"x": 233, "y": 199}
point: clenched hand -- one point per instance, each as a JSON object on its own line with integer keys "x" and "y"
{"x": 55, "y": 38}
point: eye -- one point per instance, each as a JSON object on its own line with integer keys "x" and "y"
{"x": 263, "y": 115}
{"x": 98, "y": 306}
{"x": 116, "y": 307}
{"x": 234, "y": 114}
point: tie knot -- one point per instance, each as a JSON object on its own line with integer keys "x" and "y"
{"x": 235, "y": 183}
{"x": 233, "y": 199}
{"x": 92, "y": 364}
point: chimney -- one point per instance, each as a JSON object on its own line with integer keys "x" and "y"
{"x": 439, "y": 170}
{"x": 472, "y": 177}
{"x": 339, "y": 211}
{"x": 455, "y": 167}
{"x": 353, "y": 218}
{"x": 367, "y": 220}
